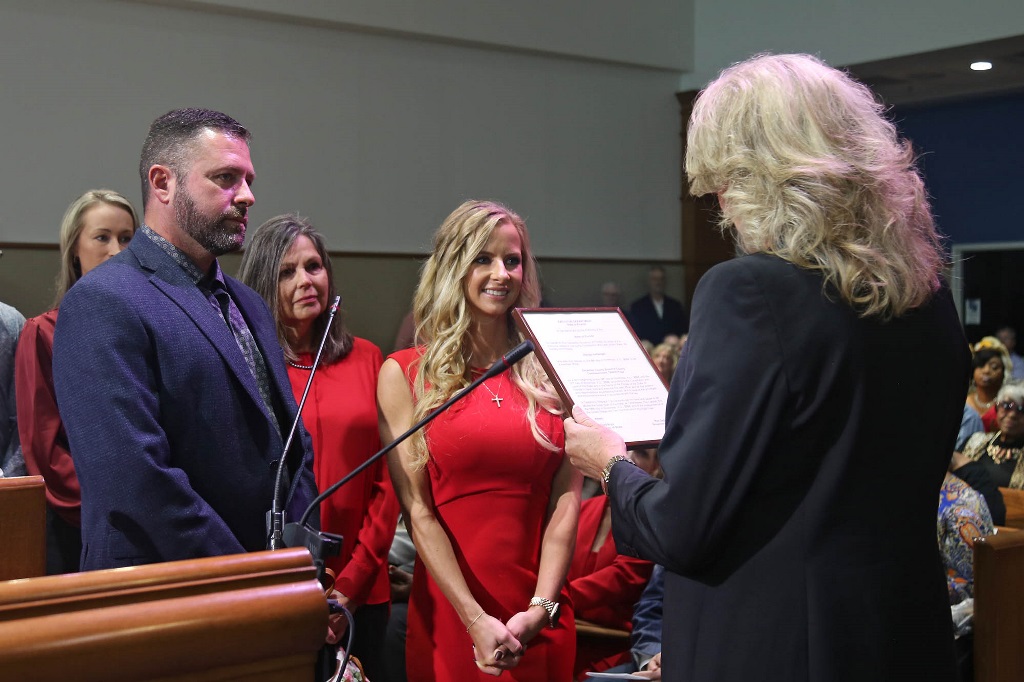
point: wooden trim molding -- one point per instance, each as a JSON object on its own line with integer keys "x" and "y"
{"x": 704, "y": 245}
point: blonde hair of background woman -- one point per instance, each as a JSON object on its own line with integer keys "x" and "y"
{"x": 443, "y": 318}
{"x": 71, "y": 228}
{"x": 811, "y": 171}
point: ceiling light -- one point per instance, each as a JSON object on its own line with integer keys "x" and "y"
{"x": 981, "y": 66}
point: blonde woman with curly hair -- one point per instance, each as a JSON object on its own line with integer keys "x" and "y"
{"x": 815, "y": 405}
{"x": 489, "y": 499}
{"x": 96, "y": 227}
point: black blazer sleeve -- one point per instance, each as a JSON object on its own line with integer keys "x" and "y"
{"x": 726, "y": 400}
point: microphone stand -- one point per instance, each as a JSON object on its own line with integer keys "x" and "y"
{"x": 276, "y": 540}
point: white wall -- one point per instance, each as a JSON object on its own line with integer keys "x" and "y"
{"x": 375, "y": 137}
{"x": 842, "y": 32}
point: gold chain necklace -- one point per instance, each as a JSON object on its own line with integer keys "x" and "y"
{"x": 496, "y": 399}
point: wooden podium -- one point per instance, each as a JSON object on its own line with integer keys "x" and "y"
{"x": 259, "y": 616}
{"x": 999, "y": 607}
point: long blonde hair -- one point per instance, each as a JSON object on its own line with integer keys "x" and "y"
{"x": 443, "y": 318}
{"x": 809, "y": 169}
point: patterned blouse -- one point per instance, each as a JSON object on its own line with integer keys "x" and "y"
{"x": 963, "y": 516}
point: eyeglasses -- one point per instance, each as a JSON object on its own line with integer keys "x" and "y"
{"x": 1010, "y": 405}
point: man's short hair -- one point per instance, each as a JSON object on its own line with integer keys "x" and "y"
{"x": 167, "y": 142}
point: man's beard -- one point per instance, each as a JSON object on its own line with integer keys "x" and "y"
{"x": 211, "y": 233}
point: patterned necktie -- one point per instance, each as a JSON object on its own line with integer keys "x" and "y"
{"x": 222, "y": 300}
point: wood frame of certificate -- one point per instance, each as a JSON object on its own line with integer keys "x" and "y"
{"x": 595, "y": 360}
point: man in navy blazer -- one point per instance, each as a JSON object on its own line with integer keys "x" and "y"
{"x": 168, "y": 373}
{"x": 655, "y": 316}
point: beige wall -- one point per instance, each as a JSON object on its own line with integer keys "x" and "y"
{"x": 374, "y": 136}
{"x": 649, "y": 33}
{"x": 841, "y": 33}
{"x": 376, "y": 290}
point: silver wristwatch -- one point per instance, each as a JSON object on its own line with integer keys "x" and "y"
{"x": 549, "y": 606}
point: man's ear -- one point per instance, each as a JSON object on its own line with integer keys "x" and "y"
{"x": 161, "y": 183}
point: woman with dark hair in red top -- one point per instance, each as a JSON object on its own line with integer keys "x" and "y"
{"x": 287, "y": 263}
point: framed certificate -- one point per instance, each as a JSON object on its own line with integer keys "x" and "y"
{"x": 594, "y": 360}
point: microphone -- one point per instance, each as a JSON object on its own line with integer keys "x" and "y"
{"x": 276, "y": 514}
{"x": 501, "y": 364}
{"x": 322, "y": 544}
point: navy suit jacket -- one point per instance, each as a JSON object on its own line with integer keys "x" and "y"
{"x": 645, "y": 321}
{"x": 171, "y": 441}
{"x": 803, "y": 454}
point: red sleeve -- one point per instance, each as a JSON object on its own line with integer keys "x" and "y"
{"x": 990, "y": 420}
{"x": 607, "y": 594}
{"x": 373, "y": 542}
{"x": 363, "y": 577}
{"x": 43, "y": 441}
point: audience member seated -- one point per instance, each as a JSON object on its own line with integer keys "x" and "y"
{"x": 405, "y": 337}
{"x": 962, "y": 517}
{"x": 665, "y": 357}
{"x": 970, "y": 424}
{"x": 974, "y": 473}
{"x": 611, "y": 295}
{"x": 1000, "y": 452}
{"x": 11, "y": 461}
{"x": 603, "y": 584}
{"x": 96, "y": 226}
{"x": 657, "y": 315}
{"x": 674, "y": 340}
{"x": 645, "y": 639}
{"x": 401, "y": 562}
{"x": 1008, "y": 336}
{"x": 288, "y": 265}
{"x": 991, "y": 363}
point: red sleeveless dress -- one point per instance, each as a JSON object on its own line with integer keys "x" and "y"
{"x": 491, "y": 482}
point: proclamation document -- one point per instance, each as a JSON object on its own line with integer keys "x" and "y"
{"x": 595, "y": 361}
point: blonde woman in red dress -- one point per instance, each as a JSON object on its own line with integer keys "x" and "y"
{"x": 489, "y": 498}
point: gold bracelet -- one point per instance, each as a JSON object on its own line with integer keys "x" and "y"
{"x": 473, "y": 622}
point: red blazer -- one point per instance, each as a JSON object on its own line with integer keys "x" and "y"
{"x": 341, "y": 417}
{"x": 43, "y": 440}
{"x": 604, "y": 587}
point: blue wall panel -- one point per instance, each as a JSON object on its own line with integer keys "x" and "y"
{"x": 972, "y": 156}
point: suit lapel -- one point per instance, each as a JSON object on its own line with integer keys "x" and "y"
{"x": 169, "y": 278}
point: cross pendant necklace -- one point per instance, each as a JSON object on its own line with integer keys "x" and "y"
{"x": 496, "y": 400}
